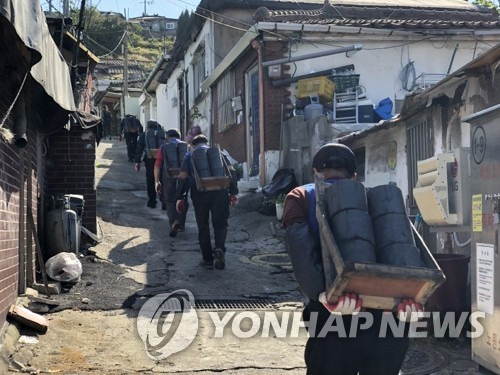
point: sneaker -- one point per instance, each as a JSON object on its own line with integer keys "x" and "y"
{"x": 151, "y": 204}
{"x": 220, "y": 263}
{"x": 182, "y": 228}
{"x": 174, "y": 228}
{"x": 207, "y": 264}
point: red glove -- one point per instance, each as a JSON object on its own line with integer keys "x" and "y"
{"x": 180, "y": 206}
{"x": 410, "y": 311}
{"x": 233, "y": 200}
{"x": 348, "y": 304}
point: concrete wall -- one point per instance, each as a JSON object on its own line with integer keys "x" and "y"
{"x": 377, "y": 169}
{"x": 169, "y": 104}
{"x": 226, "y": 40}
{"x": 167, "y": 118}
{"x": 132, "y": 106}
{"x": 380, "y": 61}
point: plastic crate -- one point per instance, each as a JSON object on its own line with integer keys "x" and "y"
{"x": 343, "y": 82}
{"x": 321, "y": 86}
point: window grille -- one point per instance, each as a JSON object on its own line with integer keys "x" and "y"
{"x": 419, "y": 146}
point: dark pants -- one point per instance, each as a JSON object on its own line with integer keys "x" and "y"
{"x": 131, "y": 140}
{"x": 169, "y": 197}
{"x": 216, "y": 204}
{"x": 366, "y": 354}
{"x": 150, "y": 180}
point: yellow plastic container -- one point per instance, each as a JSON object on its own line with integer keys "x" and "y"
{"x": 321, "y": 86}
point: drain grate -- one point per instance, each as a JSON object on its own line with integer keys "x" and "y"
{"x": 234, "y": 304}
{"x": 423, "y": 361}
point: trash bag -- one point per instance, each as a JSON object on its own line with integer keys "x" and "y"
{"x": 268, "y": 207}
{"x": 65, "y": 267}
{"x": 282, "y": 183}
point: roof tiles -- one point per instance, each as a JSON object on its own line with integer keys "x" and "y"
{"x": 386, "y": 17}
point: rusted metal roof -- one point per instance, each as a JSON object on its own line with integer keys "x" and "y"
{"x": 406, "y": 15}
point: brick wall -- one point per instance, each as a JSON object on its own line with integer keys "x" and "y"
{"x": 274, "y": 97}
{"x": 16, "y": 190}
{"x": 71, "y": 168}
{"x": 233, "y": 138}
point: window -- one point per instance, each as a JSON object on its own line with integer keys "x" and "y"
{"x": 225, "y": 94}
{"x": 170, "y": 26}
{"x": 360, "y": 155}
{"x": 198, "y": 73}
{"x": 420, "y": 146}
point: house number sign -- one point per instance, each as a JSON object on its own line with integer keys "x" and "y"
{"x": 478, "y": 145}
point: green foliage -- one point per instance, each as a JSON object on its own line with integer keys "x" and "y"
{"x": 488, "y": 4}
{"x": 102, "y": 34}
{"x": 280, "y": 199}
{"x": 195, "y": 114}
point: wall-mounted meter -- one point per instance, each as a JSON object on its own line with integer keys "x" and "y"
{"x": 443, "y": 192}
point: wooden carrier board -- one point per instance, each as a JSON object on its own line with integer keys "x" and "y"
{"x": 380, "y": 286}
{"x": 151, "y": 153}
{"x": 211, "y": 183}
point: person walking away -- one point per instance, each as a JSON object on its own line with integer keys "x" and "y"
{"x": 147, "y": 146}
{"x": 367, "y": 353}
{"x": 207, "y": 203}
{"x": 167, "y": 185}
{"x": 131, "y": 128}
{"x": 106, "y": 122}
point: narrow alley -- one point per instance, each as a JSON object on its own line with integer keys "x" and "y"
{"x": 93, "y": 330}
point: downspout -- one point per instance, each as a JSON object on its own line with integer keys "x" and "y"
{"x": 256, "y": 44}
{"x": 20, "y": 122}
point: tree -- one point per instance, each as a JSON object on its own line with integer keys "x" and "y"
{"x": 488, "y": 4}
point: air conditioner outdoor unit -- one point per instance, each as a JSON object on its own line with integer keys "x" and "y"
{"x": 443, "y": 189}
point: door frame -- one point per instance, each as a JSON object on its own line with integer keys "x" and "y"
{"x": 248, "y": 123}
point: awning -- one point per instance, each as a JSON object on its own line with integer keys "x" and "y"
{"x": 48, "y": 66}
{"x": 86, "y": 120}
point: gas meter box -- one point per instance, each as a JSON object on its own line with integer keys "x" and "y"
{"x": 442, "y": 192}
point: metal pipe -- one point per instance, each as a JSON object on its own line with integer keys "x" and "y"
{"x": 20, "y": 123}
{"x": 262, "y": 162}
{"x": 354, "y": 47}
{"x": 287, "y": 81}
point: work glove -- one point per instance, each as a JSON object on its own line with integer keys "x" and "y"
{"x": 137, "y": 167}
{"x": 158, "y": 187}
{"x": 409, "y": 311}
{"x": 180, "y": 206}
{"x": 233, "y": 200}
{"x": 347, "y": 304}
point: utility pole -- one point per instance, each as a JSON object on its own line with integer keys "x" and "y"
{"x": 50, "y": 6}
{"x": 145, "y": 12}
{"x": 125, "y": 64}
{"x": 66, "y": 8}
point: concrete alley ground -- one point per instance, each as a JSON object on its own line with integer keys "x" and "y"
{"x": 93, "y": 330}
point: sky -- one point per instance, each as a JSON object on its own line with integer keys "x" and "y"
{"x": 167, "y": 8}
